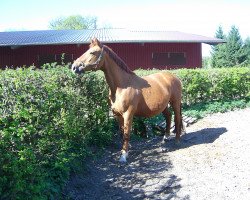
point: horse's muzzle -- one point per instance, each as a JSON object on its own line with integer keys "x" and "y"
{"x": 77, "y": 70}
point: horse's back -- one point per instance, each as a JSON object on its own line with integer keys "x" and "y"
{"x": 165, "y": 79}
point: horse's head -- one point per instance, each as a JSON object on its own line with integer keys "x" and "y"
{"x": 91, "y": 60}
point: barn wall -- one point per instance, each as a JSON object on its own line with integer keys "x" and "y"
{"x": 140, "y": 55}
{"x": 136, "y": 55}
{"x": 29, "y": 55}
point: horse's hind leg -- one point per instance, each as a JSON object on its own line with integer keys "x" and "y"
{"x": 177, "y": 119}
{"x": 168, "y": 117}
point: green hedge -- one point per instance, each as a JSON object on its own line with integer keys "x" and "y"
{"x": 204, "y": 85}
{"x": 215, "y": 84}
{"x": 49, "y": 117}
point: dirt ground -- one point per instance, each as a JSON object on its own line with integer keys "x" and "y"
{"x": 212, "y": 162}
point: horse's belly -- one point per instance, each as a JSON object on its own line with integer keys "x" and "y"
{"x": 148, "y": 112}
{"x": 153, "y": 99}
{"x": 152, "y": 104}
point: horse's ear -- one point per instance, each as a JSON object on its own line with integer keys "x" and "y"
{"x": 95, "y": 42}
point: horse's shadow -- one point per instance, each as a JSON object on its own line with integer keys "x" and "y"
{"x": 203, "y": 136}
{"x": 147, "y": 175}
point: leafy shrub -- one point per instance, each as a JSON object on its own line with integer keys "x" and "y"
{"x": 202, "y": 109}
{"x": 202, "y": 85}
{"x": 47, "y": 118}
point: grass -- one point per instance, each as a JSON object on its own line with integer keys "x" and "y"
{"x": 201, "y": 110}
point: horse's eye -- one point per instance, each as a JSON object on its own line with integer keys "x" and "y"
{"x": 92, "y": 53}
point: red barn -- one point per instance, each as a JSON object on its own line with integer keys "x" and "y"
{"x": 139, "y": 49}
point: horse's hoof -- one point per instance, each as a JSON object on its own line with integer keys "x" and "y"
{"x": 123, "y": 158}
{"x": 177, "y": 142}
{"x": 165, "y": 138}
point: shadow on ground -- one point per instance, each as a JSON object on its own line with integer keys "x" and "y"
{"x": 143, "y": 177}
{"x": 204, "y": 136}
{"x": 147, "y": 175}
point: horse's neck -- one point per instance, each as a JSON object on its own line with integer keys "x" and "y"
{"x": 115, "y": 76}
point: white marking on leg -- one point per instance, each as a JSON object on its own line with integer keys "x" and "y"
{"x": 124, "y": 156}
{"x": 165, "y": 138}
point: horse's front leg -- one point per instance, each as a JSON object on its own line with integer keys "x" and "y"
{"x": 120, "y": 120}
{"x": 128, "y": 120}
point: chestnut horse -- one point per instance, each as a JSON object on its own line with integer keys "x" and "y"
{"x": 131, "y": 95}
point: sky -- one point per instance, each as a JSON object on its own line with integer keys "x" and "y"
{"x": 191, "y": 16}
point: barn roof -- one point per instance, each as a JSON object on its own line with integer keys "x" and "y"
{"x": 49, "y": 37}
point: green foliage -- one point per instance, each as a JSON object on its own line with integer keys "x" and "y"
{"x": 219, "y": 33}
{"x": 204, "y": 85}
{"x": 47, "y": 119}
{"x": 247, "y": 50}
{"x": 218, "y": 51}
{"x": 202, "y": 109}
{"x": 206, "y": 62}
{"x": 233, "y": 52}
{"x": 73, "y": 22}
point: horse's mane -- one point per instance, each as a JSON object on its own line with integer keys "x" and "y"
{"x": 117, "y": 59}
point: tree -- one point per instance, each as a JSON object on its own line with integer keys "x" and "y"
{"x": 206, "y": 62}
{"x": 73, "y": 22}
{"x": 247, "y": 50}
{"x": 219, "y": 33}
{"x": 234, "y": 48}
{"x": 232, "y": 53}
{"x": 218, "y": 51}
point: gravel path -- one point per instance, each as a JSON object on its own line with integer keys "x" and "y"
{"x": 212, "y": 162}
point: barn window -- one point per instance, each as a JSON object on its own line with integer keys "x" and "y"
{"x": 65, "y": 58}
{"x": 43, "y": 59}
{"x": 160, "y": 58}
{"x": 177, "y": 58}
{"x": 59, "y": 58}
{"x": 169, "y": 58}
